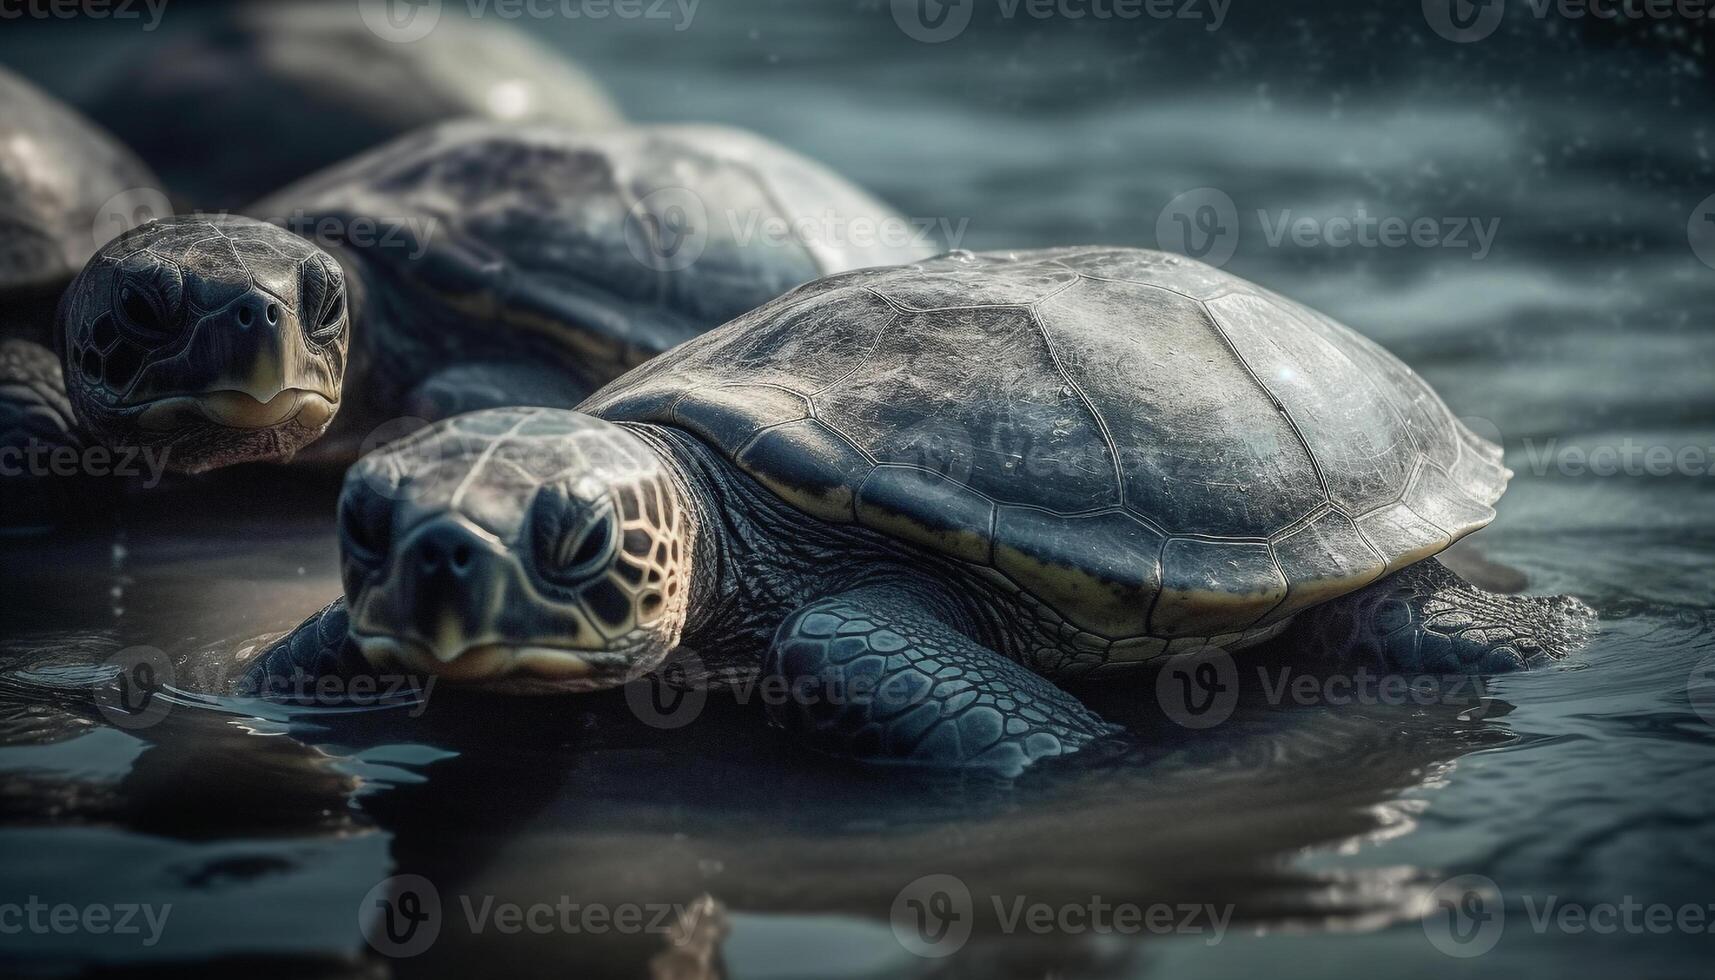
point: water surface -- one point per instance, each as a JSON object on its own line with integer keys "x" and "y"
{"x": 1325, "y": 828}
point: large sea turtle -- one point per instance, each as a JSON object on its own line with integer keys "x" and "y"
{"x": 911, "y": 496}
{"x": 246, "y": 98}
{"x": 63, "y": 185}
{"x": 468, "y": 265}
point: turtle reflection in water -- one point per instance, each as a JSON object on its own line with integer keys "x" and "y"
{"x": 798, "y": 851}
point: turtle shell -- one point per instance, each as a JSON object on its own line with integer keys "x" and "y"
{"x": 256, "y": 95}
{"x": 57, "y": 173}
{"x": 635, "y": 238}
{"x": 1151, "y": 447}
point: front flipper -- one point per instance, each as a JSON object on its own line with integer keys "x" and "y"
{"x": 1426, "y": 619}
{"x": 472, "y": 387}
{"x": 319, "y": 647}
{"x": 876, "y": 675}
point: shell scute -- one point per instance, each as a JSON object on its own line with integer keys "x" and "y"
{"x": 1331, "y": 553}
{"x": 1103, "y": 590}
{"x": 1402, "y": 534}
{"x": 729, "y": 414}
{"x": 1357, "y": 439}
{"x": 971, "y": 286}
{"x": 1209, "y": 587}
{"x": 1437, "y": 499}
{"x": 808, "y": 466}
{"x": 998, "y": 422}
{"x": 1203, "y": 449}
{"x": 927, "y": 509}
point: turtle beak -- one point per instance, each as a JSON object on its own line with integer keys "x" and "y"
{"x": 449, "y": 587}
{"x": 447, "y": 596}
{"x": 246, "y": 367}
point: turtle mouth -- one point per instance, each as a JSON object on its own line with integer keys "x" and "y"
{"x": 565, "y": 668}
{"x": 236, "y": 410}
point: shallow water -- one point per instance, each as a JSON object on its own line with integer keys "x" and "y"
{"x": 1325, "y": 828}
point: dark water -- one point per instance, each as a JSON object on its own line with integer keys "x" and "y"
{"x": 1324, "y": 828}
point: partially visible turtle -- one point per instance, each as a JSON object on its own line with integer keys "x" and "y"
{"x": 909, "y": 496}
{"x": 469, "y": 265}
{"x": 270, "y": 92}
{"x": 58, "y": 173}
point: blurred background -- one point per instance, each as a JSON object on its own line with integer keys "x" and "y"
{"x": 1550, "y": 187}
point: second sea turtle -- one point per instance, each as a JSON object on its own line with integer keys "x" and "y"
{"x": 468, "y": 265}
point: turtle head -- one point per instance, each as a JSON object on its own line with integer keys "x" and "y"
{"x": 216, "y": 340}
{"x": 530, "y": 550}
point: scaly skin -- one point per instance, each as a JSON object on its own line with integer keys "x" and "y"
{"x": 877, "y": 675}
{"x": 319, "y": 647}
{"x": 33, "y": 402}
{"x": 1426, "y": 619}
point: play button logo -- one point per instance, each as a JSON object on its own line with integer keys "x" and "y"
{"x": 933, "y": 21}
{"x": 1464, "y": 21}
{"x": 400, "y": 21}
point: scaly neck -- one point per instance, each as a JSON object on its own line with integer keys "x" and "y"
{"x": 709, "y": 558}
{"x": 754, "y": 558}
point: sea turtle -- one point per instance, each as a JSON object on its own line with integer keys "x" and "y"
{"x": 63, "y": 185}
{"x": 250, "y": 98}
{"x": 467, "y": 265}
{"x": 935, "y": 487}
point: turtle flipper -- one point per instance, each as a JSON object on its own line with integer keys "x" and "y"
{"x": 319, "y": 647}
{"x": 1426, "y": 619}
{"x": 874, "y": 674}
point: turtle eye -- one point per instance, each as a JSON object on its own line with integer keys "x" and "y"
{"x": 582, "y": 550}
{"x": 136, "y": 307}
{"x": 571, "y": 548}
{"x": 141, "y": 317}
{"x": 146, "y": 304}
{"x": 332, "y": 314}
{"x": 323, "y": 299}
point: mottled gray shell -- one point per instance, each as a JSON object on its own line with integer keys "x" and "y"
{"x": 270, "y": 92}
{"x": 1151, "y": 447}
{"x": 57, "y": 174}
{"x": 552, "y": 229}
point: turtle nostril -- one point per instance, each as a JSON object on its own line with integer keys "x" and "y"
{"x": 273, "y": 313}
{"x": 244, "y": 316}
{"x": 444, "y": 550}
